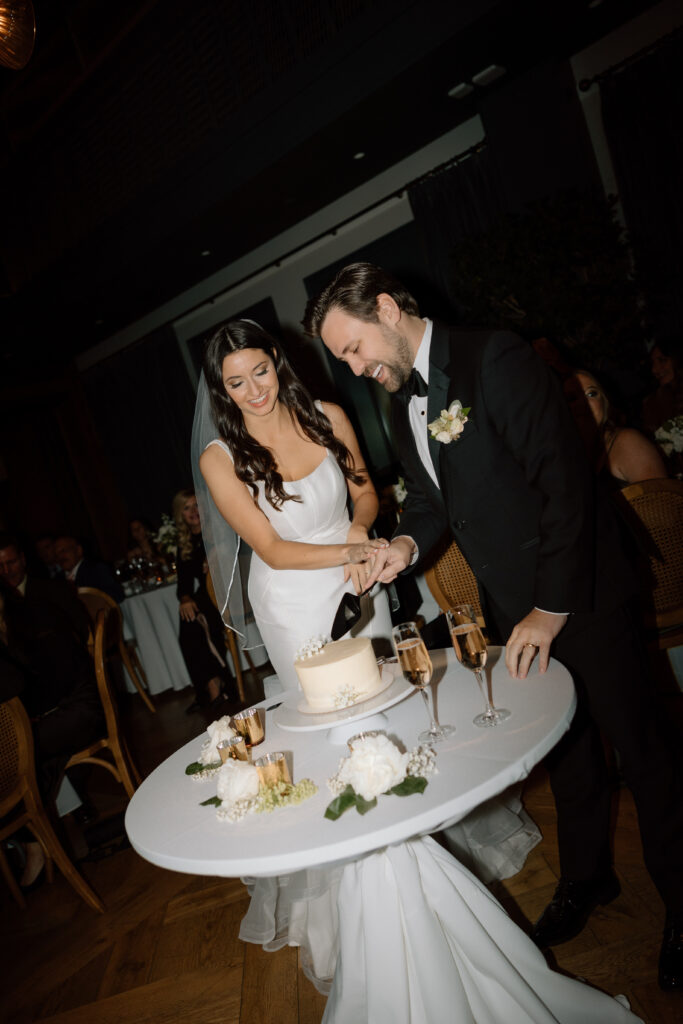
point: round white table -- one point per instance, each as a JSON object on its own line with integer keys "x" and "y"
{"x": 152, "y": 619}
{"x": 419, "y": 939}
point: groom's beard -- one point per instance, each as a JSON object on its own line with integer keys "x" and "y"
{"x": 398, "y": 369}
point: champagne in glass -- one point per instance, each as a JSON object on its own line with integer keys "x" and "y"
{"x": 416, "y": 665}
{"x": 470, "y": 649}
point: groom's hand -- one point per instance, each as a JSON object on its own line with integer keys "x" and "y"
{"x": 389, "y": 562}
{"x": 535, "y": 632}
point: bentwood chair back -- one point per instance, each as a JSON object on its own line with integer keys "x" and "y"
{"x": 120, "y": 764}
{"x": 657, "y": 506}
{"x": 19, "y": 789}
{"x": 451, "y": 581}
{"x": 94, "y": 599}
{"x": 230, "y": 642}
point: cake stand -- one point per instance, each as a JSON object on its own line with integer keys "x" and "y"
{"x": 343, "y": 723}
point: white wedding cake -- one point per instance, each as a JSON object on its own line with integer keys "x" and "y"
{"x": 337, "y": 674}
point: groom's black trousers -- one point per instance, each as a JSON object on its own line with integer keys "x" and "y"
{"x": 606, "y": 656}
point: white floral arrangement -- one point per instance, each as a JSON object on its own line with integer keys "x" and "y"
{"x": 239, "y": 792}
{"x": 377, "y": 766}
{"x": 209, "y": 761}
{"x": 450, "y": 424}
{"x": 311, "y": 647}
{"x": 166, "y": 538}
{"x": 670, "y": 435}
{"x": 399, "y": 491}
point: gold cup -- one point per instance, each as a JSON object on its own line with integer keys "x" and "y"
{"x": 272, "y": 768}
{"x": 249, "y": 724}
{"x": 233, "y": 748}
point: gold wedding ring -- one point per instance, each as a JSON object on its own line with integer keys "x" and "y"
{"x": 272, "y": 768}
{"x": 531, "y": 645}
{"x": 248, "y": 723}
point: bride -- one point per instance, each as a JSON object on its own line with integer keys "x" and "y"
{"x": 280, "y": 469}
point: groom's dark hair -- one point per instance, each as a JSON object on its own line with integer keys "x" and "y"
{"x": 354, "y": 290}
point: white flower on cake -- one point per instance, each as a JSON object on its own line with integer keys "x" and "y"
{"x": 450, "y": 423}
{"x": 376, "y": 766}
{"x": 218, "y": 731}
{"x": 347, "y": 696}
{"x": 311, "y": 647}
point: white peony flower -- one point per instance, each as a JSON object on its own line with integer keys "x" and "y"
{"x": 374, "y": 766}
{"x": 218, "y": 731}
{"x": 237, "y": 780}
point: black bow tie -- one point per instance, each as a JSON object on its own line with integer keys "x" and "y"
{"x": 415, "y": 385}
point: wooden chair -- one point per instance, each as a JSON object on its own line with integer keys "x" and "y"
{"x": 231, "y": 643}
{"x": 94, "y": 599}
{"x": 121, "y": 766}
{"x": 451, "y": 581}
{"x": 656, "y": 508}
{"x": 18, "y": 785}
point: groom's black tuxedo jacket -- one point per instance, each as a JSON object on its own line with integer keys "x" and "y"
{"x": 516, "y": 490}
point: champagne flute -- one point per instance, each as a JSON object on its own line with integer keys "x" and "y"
{"x": 470, "y": 649}
{"x": 416, "y": 666}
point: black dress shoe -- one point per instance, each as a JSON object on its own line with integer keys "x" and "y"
{"x": 671, "y": 955}
{"x": 571, "y": 906}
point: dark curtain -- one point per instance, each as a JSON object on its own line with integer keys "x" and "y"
{"x": 642, "y": 109}
{"x": 142, "y": 401}
{"x": 458, "y": 201}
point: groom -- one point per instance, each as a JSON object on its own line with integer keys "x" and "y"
{"x": 508, "y": 478}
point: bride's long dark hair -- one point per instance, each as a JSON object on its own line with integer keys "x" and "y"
{"x": 253, "y": 461}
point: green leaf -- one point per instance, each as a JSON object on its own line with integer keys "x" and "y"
{"x": 363, "y": 806}
{"x": 411, "y": 784}
{"x": 341, "y": 803}
{"x": 212, "y": 800}
{"x": 197, "y": 766}
{"x": 466, "y": 410}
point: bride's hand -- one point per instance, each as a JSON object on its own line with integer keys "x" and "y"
{"x": 358, "y": 574}
{"x": 364, "y": 551}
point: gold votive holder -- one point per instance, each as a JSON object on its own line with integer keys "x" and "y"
{"x": 233, "y": 748}
{"x": 361, "y": 736}
{"x": 250, "y": 725}
{"x": 272, "y": 768}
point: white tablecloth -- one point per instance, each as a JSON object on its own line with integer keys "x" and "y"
{"x": 152, "y": 619}
{"x": 420, "y": 940}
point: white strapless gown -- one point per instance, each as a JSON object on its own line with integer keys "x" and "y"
{"x": 292, "y": 605}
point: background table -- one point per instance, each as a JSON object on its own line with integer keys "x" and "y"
{"x": 167, "y": 825}
{"x": 152, "y": 619}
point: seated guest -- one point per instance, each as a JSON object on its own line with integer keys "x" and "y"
{"x": 666, "y": 361}
{"x": 45, "y": 549}
{"x": 49, "y": 668}
{"x": 624, "y": 454}
{"x": 201, "y": 629}
{"x": 85, "y": 572}
{"x": 53, "y": 592}
{"x": 141, "y": 541}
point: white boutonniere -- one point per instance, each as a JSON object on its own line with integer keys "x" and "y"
{"x": 450, "y": 423}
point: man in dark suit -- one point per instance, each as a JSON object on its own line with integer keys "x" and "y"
{"x": 507, "y": 477}
{"x": 85, "y": 572}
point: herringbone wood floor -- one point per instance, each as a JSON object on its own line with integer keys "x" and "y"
{"x": 167, "y": 952}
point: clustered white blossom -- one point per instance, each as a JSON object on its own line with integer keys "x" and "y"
{"x": 279, "y": 794}
{"x": 206, "y": 773}
{"x": 311, "y": 647}
{"x": 218, "y": 731}
{"x": 450, "y": 423}
{"x": 237, "y": 780}
{"x": 167, "y": 536}
{"x": 422, "y": 762}
{"x": 346, "y": 696}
